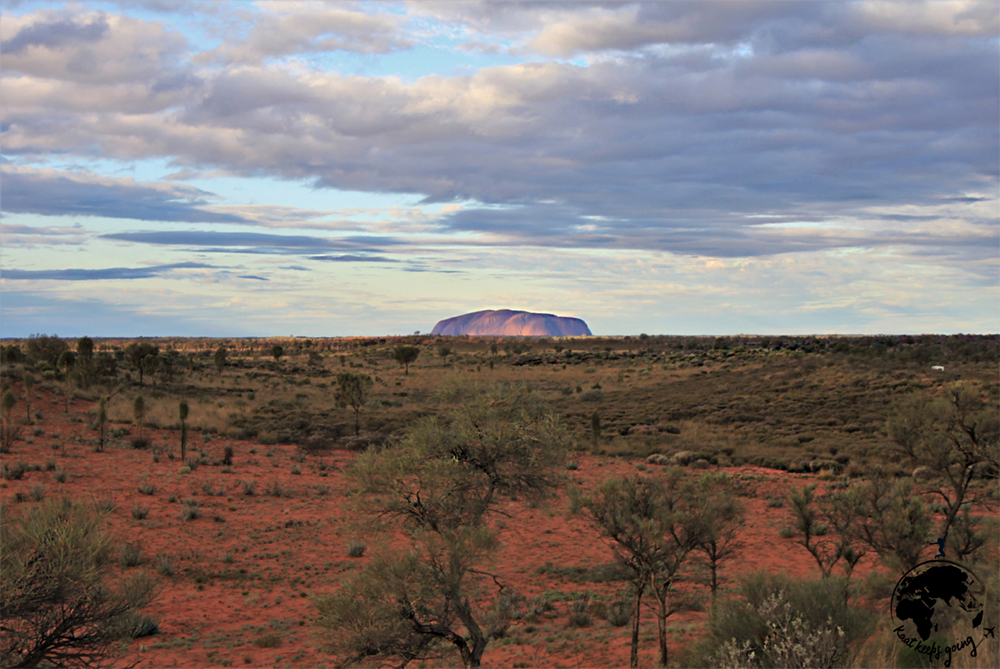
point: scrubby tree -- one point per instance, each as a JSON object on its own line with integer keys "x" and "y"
{"x": 136, "y": 354}
{"x": 62, "y": 603}
{"x": 85, "y": 360}
{"x": 139, "y": 413}
{"x": 45, "y": 349}
{"x": 654, "y": 529}
{"x": 444, "y": 352}
{"x": 66, "y": 362}
{"x": 352, "y": 391}
{"x": 719, "y": 520}
{"x": 182, "y": 411}
{"x": 956, "y": 437}
{"x": 891, "y": 520}
{"x": 442, "y": 487}
{"x": 220, "y": 359}
{"x": 276, "y": 352}
{"x": 828, "y": 529}
{"x": 29, "y": 384}
{"x": 595, "y": 427}
{"x": 405, "y": 355}
{"x": 102, "y": 424}
{"x": 10, "y": 431}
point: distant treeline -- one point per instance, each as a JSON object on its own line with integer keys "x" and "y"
{"x": 105, "y": 355}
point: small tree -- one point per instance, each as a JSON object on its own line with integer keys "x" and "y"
{"x": 721, "y": 516}
{"x": 66, "y": 362}
{"x": 444, "y": 352}
{"x": 352, "y": 391}
{"x": 835, "y": 518}
{"x": 29, "y": 384}
{"x": 276, "y": 352}
{"x": 85, "y": 360}
{"x": 957, "y": 437}
{"x": 136, "y": 354}
{"x": 220, "y": 359}
{"x": 139, "y": 413}
{"x": 442, "y": 487}
{"x": 183, "y": 412}
{"x": 405, "y": 355}
{"x": 61, "y": 601}
{"x": 595, "y": 427}
{"x": 891, "y": 520}
{"x": 653, "y": 531}
{"x": 102, "y": 424}
{"x": 10, "y": 431}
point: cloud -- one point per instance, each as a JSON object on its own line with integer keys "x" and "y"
{"x": 58, "y": 193}
{"x": 349, "y": 258}
{"x": 284, "y": 29}
{"x": 90, "y": 47}
{"x": 111, "y": 273}
{"x": 253, "y": 277}
{"x": 253, "y": 242}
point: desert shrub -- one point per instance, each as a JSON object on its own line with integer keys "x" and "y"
{"x": 578, "y": 616}
{"x": 227, "y": 456}
{"x": 190, "y": 513}
{"x": 130, "y": 554}
{"x": 296, "y": 470}
{"x": 139, "y": 443}
{"x": 140, "y": 512}
{"x": 268, "y": 641}
{"x": 137, "y": 626}
{"x": 785, "y": 622}
{"x": 37, "y": 493}
{"x": 13, "y": 472}
{"x": 104, "y": 505}
{"x": 593, "y": 395}
{"x": 50, "y": 465}
{"x": 619, "y": 612}
{"x": 164, "y": 565}
{"x": 60, "y": 476}
{"x": 356, "y": 549}
{"x": 248, "y": 487}
{"x": 147, "y": 489}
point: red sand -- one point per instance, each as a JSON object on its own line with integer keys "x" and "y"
{"x": 280, "y": 550}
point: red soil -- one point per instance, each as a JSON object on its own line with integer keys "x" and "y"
{"x": 281, "y": 549}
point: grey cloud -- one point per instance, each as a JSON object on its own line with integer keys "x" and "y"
{"x": 96, "y": 48}
{"x": 56, "y": 193}
{"x": 112, "y": 273}
{"x": 796, "y": 108}
{"x": 253, "y": 242}
{"x": 351, "y": 258}
{"x": 253, "y": 277}
{"x": 55, "y": 34}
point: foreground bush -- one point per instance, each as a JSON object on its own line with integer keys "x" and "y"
{"x": 776, "y": 621}
{"x": 62, "y": 602}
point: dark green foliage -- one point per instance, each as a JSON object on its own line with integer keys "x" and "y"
{"x": 45, "y": 349}
{"x": 137, "y": 354}
{"x": 276, "y": 352}
{"x": 9, "y": 432}
{"x": 405, "y": 355}
{"x": 219, "y": 358}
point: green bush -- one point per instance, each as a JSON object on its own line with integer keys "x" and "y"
{"x": 784, "y": 622}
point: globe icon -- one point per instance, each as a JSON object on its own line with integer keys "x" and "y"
{"x": 938, "y": 596}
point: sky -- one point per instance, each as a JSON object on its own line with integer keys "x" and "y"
{"x": 202, "y": 168}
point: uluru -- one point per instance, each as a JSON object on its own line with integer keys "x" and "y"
{"x": 508, "y": 323}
